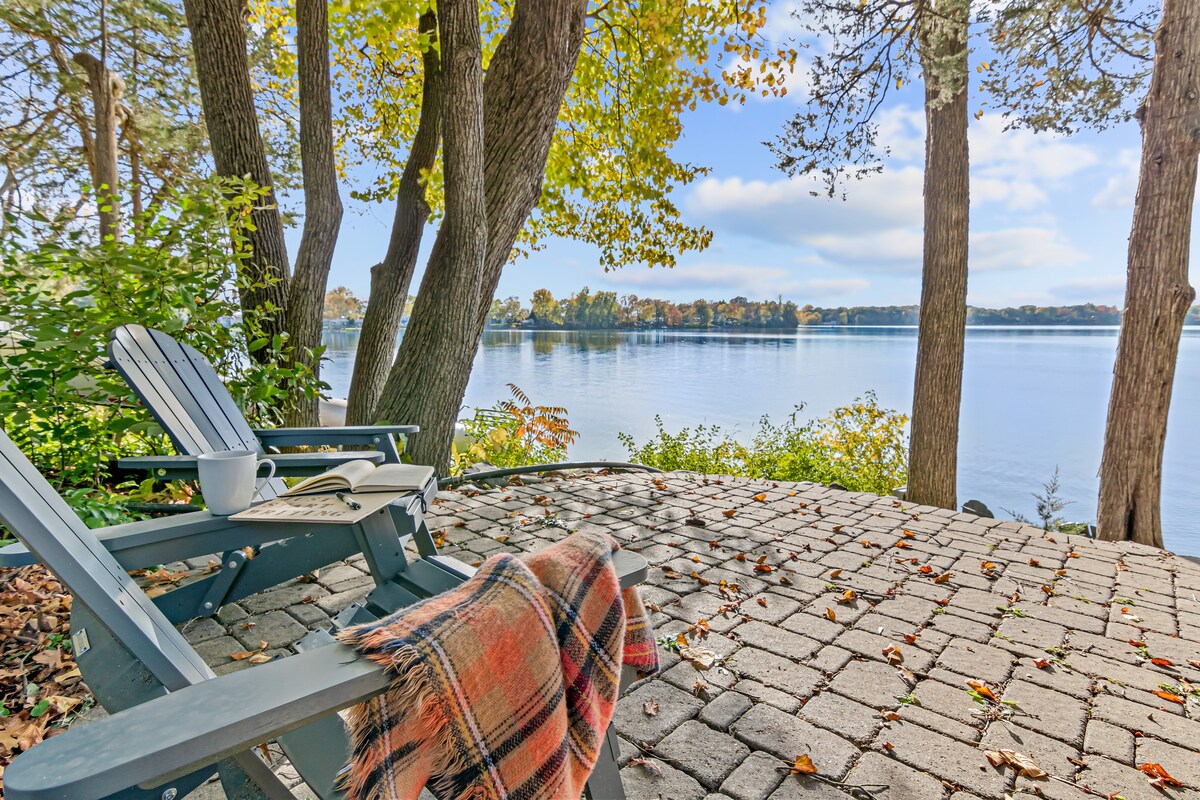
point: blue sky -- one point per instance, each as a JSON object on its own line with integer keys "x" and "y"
{"x": 1050, "y": 218}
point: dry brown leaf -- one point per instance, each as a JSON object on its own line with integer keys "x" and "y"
{"x": 1023, "y": 764}
{"x": 650, "y": 708}
{"x": 830, "y": 615}
{"x": 760, "y": 498}
{"x": 833, "y": 576}
{"x": 803, "y": 765}
{"x": 944, "y": 577}
{"x": 1173, "y": 698}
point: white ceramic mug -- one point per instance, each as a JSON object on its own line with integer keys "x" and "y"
{"x": 227, "y": 479}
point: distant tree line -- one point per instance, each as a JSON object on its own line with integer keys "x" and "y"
{"x": 586, "y": 310}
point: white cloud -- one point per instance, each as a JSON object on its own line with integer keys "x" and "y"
{"x": 1022, "y": 248}
{"x": 1121, "y": 187}
{"x": 831, "y": 287}
{"x": 786, "y": 212}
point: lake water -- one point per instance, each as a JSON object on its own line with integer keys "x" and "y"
{"x": 1033, "y": 397}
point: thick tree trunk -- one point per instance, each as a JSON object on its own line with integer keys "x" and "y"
{"x": 219, "y": 44}
{"x": 1157, "y": 295}
{"x": 458, "y": 254}
{"x": 322, "y": 204}
{"x": 937, "y": 389}
{"x": 527, "y": 79}
{"x": 390, "y": 279}
{"x": 106, "y": 88}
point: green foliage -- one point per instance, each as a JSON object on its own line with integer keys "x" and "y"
{"x": 62, "y": 294}
{"x": 860, "y": 446}
{"x": 514, "y": 433}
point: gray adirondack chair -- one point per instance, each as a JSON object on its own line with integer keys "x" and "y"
{"x": 173, "y": 723}
{"x": 186, "y": 396}
{"x": 183, "y": 392}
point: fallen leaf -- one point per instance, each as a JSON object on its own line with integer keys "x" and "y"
{"x": 848, "y": 596}
{"x": 1161, "y": 776}
{"x": 730, "y": 512}
{"x": 763, "y": 568}
{"x": 910, "y": 638}
{"x": 891, "y": 716}
{"x": 925, "y": 570}
{"x": 1173, "y": 698}
{"x": 699, "y": 658}
{"x": 649, "y": 764}
{"x": 982, "y": 689}
{"x": 1162, "y": 662}
{"x": 1041, "y": 663}
{"x": 829, "y": 615}
{"x": 650, "y": 708}
{"x": 833, "y": 576}
{"x": 803, "y": 765}
{"x": 1023, "y": 764}
{"x": 760, "y": 498}
{"x": 762, "y": 601}
{"x": 259, "y": 658}
{"x": 944, "y": 577}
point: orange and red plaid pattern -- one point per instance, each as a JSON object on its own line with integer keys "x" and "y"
{"x": 503, "y": 687}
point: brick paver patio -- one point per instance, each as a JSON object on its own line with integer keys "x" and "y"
{"x": 847, "y": 627}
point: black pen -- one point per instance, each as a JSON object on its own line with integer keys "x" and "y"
{"x": 354, "y": 505}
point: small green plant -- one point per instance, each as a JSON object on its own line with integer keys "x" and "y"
{"x": 861, "y": 446}
{"x": 515, "y": 432}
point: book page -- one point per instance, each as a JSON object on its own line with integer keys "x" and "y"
{"x": 390, "y": 477}
{"x": 318, "y": 508}
{"x": 342, "y": 476}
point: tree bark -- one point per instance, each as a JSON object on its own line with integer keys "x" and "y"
{"x": 227, "y": 99}
{"x": 458, "y": 253}
{"x": 527, "y": 79}
{"x": 937, "y": 389}
{"x": 322, "y": 204}
{"x": 1157, "y": 294}
{"x": 390, "y": 279}
{"x": 106, "y": 88}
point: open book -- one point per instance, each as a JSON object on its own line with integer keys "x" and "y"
{"x": 363, "y": 476}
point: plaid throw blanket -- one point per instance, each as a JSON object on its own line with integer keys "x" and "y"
{"x": 503, "y": 687}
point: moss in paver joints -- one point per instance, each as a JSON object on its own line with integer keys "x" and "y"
{"x": 803, "y": 683}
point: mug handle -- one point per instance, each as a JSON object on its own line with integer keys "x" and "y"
{"x": 262, "y": 482}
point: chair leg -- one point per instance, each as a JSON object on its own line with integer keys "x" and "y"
{"x": 605, "y": 780}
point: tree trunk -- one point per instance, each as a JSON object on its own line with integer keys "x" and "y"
{"x": 1157, "y": 294}
{"x": 937, "y": 389}
{"x": 106, "y": 88}
{"x": 227, "y": 99}
{"x": 322, "y": 204}
{"x": 461, "y": 246}
{"x": 527, "y": 79}
{"x": 391, "y": 278}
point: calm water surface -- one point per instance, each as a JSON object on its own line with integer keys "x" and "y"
{"x": 1033, "y": 397}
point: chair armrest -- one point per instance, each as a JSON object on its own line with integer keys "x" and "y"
{"x": 16, "y": 555}
{"x": 287, "y": 465}
{"x": 354, "y": 434}
{"x": 169, "y": 736}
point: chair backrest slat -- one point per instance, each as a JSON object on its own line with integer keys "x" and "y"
{"x": 207, "y": 391}
{"x": 141, "y": 372}
{"x": 42, "y": 520}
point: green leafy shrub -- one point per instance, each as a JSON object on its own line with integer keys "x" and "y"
{"x": 515, "y": 433}
{"x": 860, "y": 446}
{"x": 61, "y": 293}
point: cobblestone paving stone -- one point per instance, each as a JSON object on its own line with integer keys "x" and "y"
{"x": 846, "y": 626}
